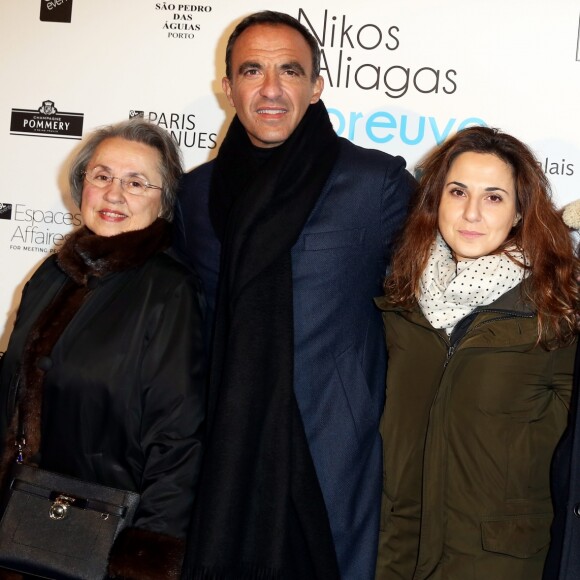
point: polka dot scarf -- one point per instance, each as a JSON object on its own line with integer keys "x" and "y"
{"x": 450, "y": 290}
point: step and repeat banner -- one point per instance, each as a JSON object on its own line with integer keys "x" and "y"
{"x": 399, "y": 75}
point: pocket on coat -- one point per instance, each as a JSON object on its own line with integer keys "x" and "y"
{"x": 520, "y": 536}
{"x": 355, "y": 388}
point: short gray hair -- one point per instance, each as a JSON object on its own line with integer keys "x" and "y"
{"x": 139, "y": 130}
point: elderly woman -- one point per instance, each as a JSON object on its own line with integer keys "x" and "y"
{"x": 481, "y": 318}
{"x": 104, "y": 368}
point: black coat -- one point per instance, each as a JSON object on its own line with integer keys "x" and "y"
{"x": 563, "y": 561}
{"x": 123, "y": 394}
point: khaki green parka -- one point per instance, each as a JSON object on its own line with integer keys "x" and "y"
{"x": 469, "y": 429}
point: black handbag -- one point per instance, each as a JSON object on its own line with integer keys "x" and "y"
{"x": 59, "y": 527}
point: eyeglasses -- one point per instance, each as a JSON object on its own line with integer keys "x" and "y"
{"x": 133, "y": 185}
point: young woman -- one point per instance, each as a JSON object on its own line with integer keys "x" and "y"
{"x": 480, "y": 315}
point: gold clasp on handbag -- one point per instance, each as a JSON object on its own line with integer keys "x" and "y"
{"x": 59, "y": 508}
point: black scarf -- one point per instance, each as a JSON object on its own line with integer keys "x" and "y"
{"x": 260, "y": 513}
{"x": 82, "y": 257}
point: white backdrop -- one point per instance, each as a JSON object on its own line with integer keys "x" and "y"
{"x": 400, "y": 75}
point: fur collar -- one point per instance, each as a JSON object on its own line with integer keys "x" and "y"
{"x": 85, "y": 254}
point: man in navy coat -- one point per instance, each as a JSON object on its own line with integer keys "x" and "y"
{"x": 352, "y": 201}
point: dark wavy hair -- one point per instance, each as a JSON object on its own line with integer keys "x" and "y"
{"x": 551, "y": 285}
{"x": 141, "y": 131}
{"x": 269, "y": 17}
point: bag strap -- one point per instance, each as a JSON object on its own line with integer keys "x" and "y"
{"x": 20, "y": 441}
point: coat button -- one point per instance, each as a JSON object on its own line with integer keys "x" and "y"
{"x": 44, "y": 363}
{"x": 577, "y": 510}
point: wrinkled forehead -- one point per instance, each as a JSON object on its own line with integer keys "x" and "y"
{"x": 126, "y": 157}
{"x": 271, "y": 42}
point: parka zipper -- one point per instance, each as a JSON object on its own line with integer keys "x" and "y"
{"x": 450, "y": 352}
{"x": 453, "y": 347}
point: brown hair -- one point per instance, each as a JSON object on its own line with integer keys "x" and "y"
{"x": 269, "y": 17}
{"x": 542, "y": 236}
